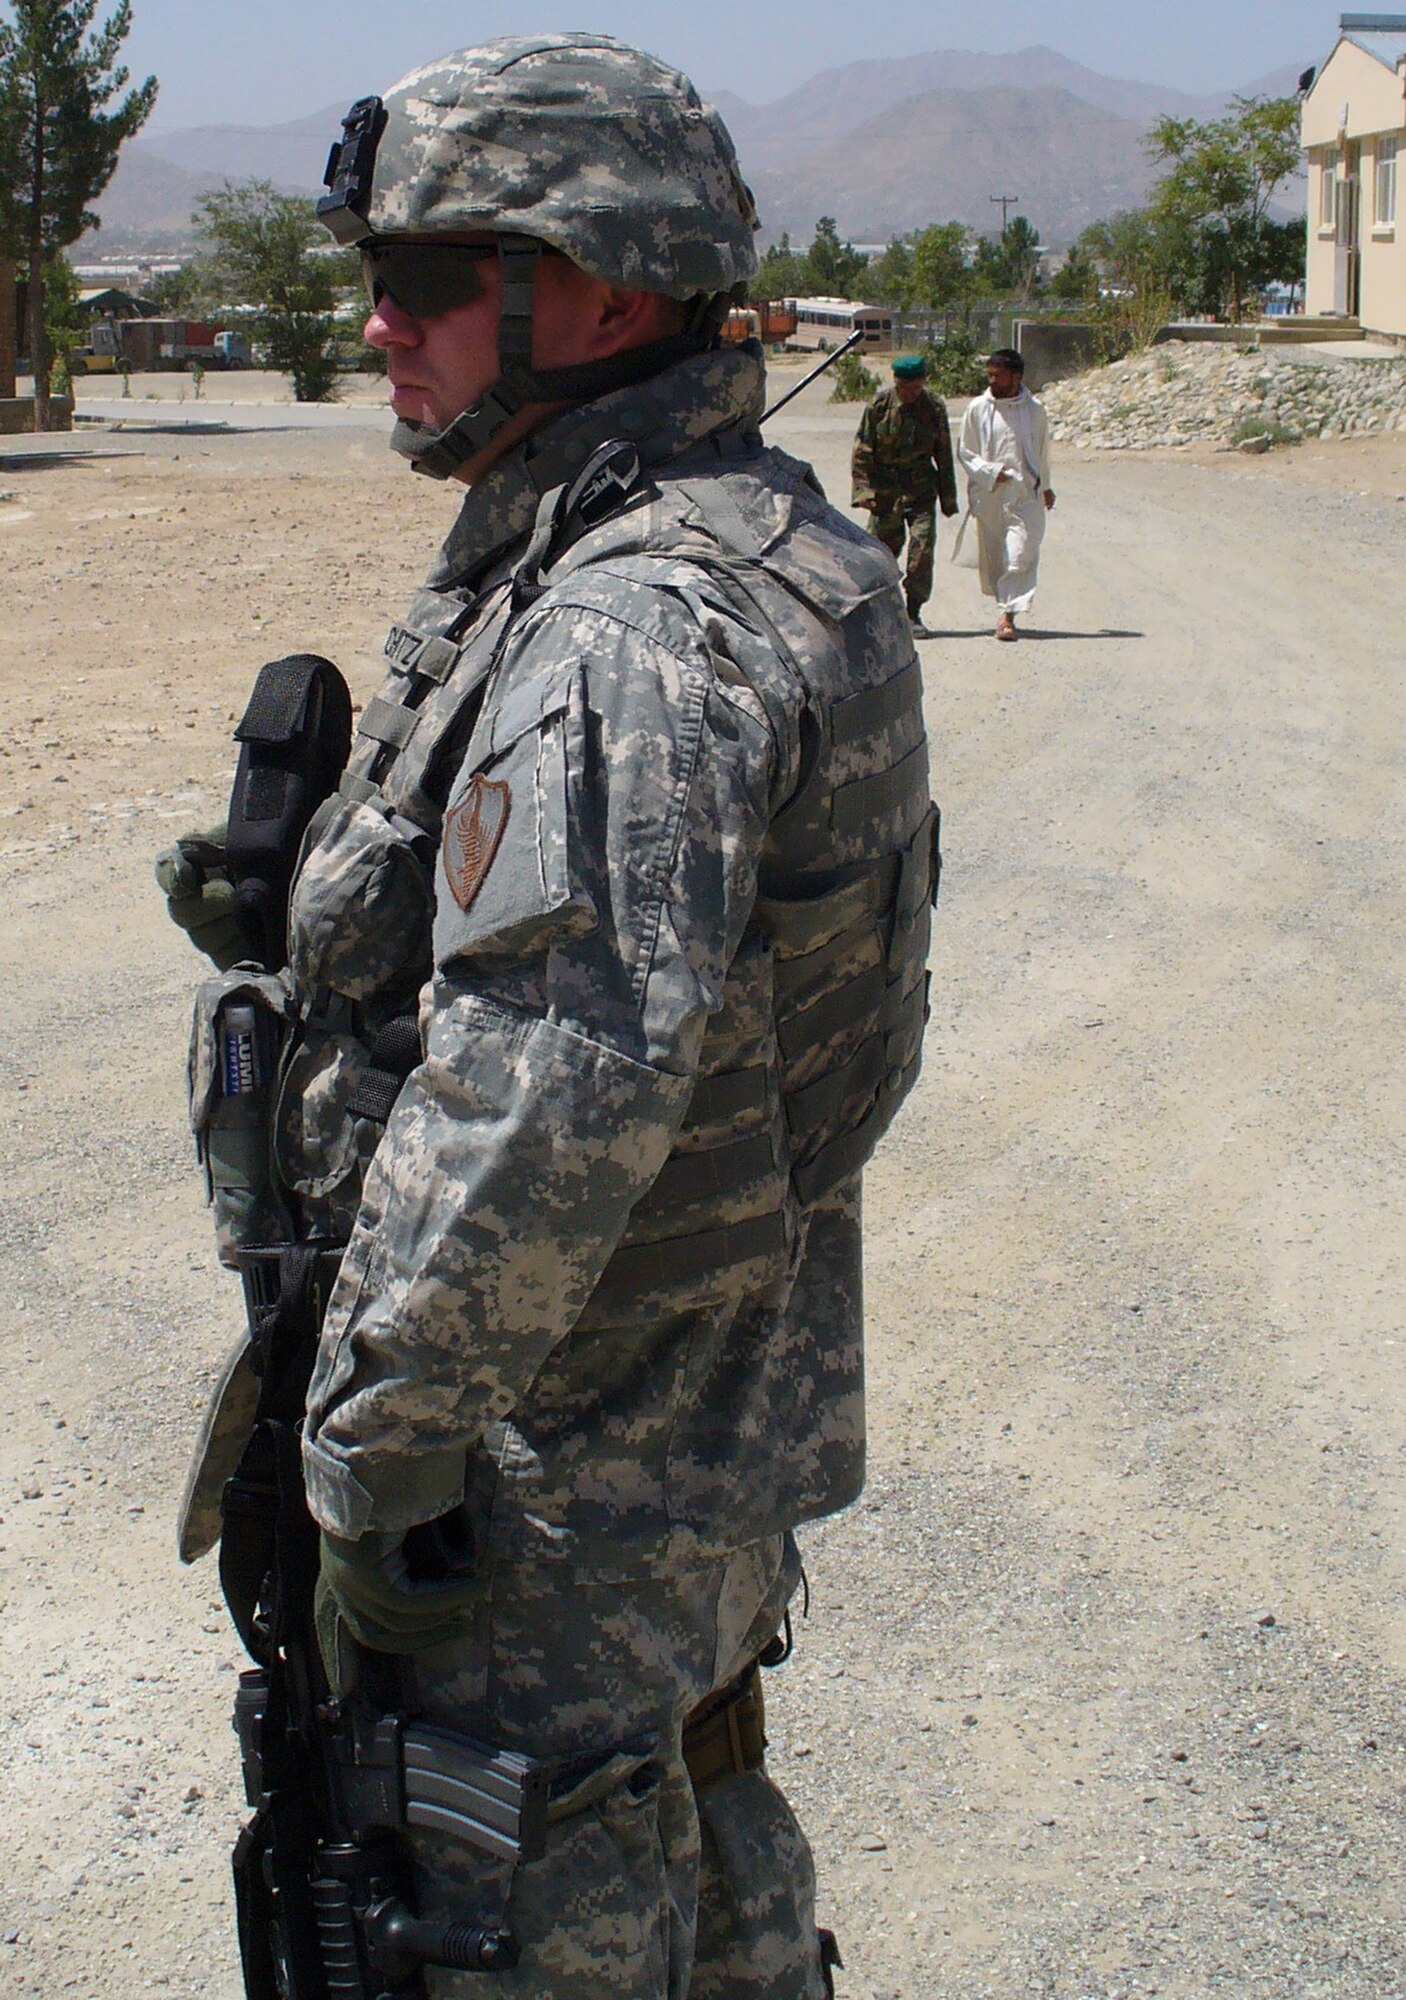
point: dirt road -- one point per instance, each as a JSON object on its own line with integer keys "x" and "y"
{"x": 1101, "y": 1690}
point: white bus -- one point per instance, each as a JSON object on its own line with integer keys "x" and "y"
{"x": 828, "y": 322}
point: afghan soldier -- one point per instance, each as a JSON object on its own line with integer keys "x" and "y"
{"x": 901, "y": 467}
{"x": 606, "y": 975}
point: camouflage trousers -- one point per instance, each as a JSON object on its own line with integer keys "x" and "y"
{"x": 893, "y": 514}
{"x": 648, "y": 1890}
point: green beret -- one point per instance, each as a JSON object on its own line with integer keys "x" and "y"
{"x": 909, "y": 367}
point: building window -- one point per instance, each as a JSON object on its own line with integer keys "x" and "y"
{"x": 1328, "y": 191}
{"x": 1386, "y": 181}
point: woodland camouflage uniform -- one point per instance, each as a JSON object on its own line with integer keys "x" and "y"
{"x": 901, "y": 466}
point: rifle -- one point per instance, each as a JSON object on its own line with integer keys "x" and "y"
{"x": 319, "y": 1871}
{"x": 334, "y": 1783}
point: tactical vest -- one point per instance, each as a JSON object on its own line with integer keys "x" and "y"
{"x": 818, "y": 1040}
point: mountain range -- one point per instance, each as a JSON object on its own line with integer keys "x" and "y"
{"x": 884, "y": 146}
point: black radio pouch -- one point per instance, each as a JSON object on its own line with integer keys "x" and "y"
{"x": 294, "y": 738}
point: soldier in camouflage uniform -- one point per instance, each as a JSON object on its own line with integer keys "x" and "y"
{"x": 632, "y": 863}
{"x": 901, "y": 467}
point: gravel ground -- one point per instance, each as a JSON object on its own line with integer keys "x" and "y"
{"x": 1100, "y": 1691}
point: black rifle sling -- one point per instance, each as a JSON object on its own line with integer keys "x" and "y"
{"x": 268, "y": 1572}
{"x": 264, "y": 1501}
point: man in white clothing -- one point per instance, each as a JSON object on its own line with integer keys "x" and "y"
{"x": 1004, "y": 448}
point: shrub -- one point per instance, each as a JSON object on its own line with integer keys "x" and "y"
{"x": 851, "y": 381}
{"x": 956, "y": 365}
{"x": 1265, "y": 427}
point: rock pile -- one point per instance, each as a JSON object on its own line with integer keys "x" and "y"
{"x": 1191, "y": 392}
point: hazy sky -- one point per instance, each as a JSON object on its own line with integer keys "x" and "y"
{"x": 264, "y": 61}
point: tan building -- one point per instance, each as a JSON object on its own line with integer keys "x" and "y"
{"x": 1354, "y": 130}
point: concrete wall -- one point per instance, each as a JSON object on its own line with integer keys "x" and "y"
{"x": 1054, "y": 349}
{"x": 17, "y": 414}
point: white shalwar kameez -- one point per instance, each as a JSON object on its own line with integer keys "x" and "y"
{"x": 1007, "y": 434}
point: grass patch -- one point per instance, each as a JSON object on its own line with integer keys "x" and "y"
{"x": 1264, "y": 427}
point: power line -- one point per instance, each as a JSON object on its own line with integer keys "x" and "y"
{"x": 1005, "y": 201}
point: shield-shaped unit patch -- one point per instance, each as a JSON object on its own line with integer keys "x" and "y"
{"x": 472, "y": 831}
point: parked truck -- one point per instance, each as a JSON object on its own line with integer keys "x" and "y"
{"x": 147, "y": 345}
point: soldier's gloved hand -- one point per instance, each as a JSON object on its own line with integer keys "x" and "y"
{"x": 397, "y": 1593}
{"x": 949, "y": 508}
{"x": 200, "y": 896}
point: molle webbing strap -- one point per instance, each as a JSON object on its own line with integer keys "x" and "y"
{"x": 859, "y": 804}
{"x": 793, "y": 979}
{"x": 422, "y": 655}
{"x": 881, "y": 1059}
{"x": 689, "y": 1260}
{"x": 387, "y": 722}
{"x": 863, "y": 714}
{"x": 392, "y": 1055}
{"x": 819, "y": 1104}
{"x": 834, "y": 1164}
{"x": 797, "y": 925}
{"x": 721, "y": 1099}
{"x": 709, "y": 1176}
{"x": 725, "y": 1736}
{"x": 886, "y": 1068}
{"x": 815, "y": 1025}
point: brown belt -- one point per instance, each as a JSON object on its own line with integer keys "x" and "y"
{"x": 725, "y": 1736}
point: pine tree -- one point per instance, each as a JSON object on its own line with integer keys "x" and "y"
{"x": 58, "y": 142}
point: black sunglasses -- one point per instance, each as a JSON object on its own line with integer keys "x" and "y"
{"x": 424, "y": 279}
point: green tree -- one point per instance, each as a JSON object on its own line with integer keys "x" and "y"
{"x": 832, "y": 269}
{"x": 889, "y": 279}
{"x": 940, "y": 270}
{"x": 262, "y": 256}
{"x": 58, "y": 142}
{"x": 1221, "y": 178}
{"x": 1010, "y": 262}
{"x": 1077, "y": 277}
{"x": 782, "y": 274}
{"x": 1283, "y": 252}
{"x": 956, "y": 365}
{"x": 183, "y": 293}
{"x": 64, "y": 319}
{"x": 1140, "y": 251}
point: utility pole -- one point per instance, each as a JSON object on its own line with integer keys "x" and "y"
{"x": 1004, "y": 202}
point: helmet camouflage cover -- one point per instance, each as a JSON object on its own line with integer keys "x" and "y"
{"x": 596, "y": 149}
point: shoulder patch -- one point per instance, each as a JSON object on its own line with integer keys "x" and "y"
{"x": 473, "y": 829}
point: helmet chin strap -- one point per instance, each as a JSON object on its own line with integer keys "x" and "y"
{"x": 440, "y": 454}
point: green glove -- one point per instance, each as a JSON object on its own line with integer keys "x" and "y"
{"x": 200, "y": 896}
{"x": 386, "y": 1601}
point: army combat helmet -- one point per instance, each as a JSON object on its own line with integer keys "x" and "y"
{"x": 574, "y": 143}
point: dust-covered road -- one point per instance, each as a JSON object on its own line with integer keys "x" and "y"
{"x": 1101, "y": 1690}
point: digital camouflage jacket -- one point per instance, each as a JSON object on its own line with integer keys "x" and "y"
{"x": 641, "y": 842}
